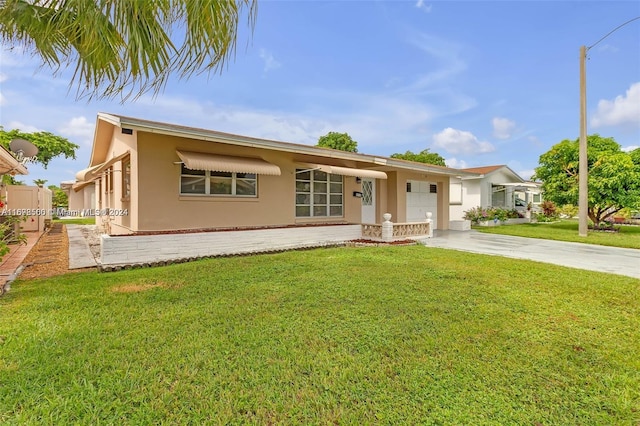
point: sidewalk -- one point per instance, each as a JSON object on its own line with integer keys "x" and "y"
{"x": 12, "y": 260}
{"x": 612, "y": 260}
{"x": 80, "y": 255}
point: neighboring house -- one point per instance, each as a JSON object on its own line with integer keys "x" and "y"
{"x": 491, "y": 186}
{"x": 81, "y": 200}
{"x": 156, "y": 177}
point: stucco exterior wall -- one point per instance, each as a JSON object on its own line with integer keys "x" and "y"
{"x": 114, "y": 200}
{"x": 76, "y": 199}
{"x": 156, "y": 204}
{"x": 161, "y": 206}
{"x": 471, "y": 197}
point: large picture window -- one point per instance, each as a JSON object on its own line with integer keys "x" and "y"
{"x": 318, "y": 194}
{"x": 206, "y": 182}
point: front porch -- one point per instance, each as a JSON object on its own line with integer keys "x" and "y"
{"x": 121, "y": 251}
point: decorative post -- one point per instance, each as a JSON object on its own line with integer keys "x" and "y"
{"x": 430, "y": 224}
{"x": 387, "y": 227}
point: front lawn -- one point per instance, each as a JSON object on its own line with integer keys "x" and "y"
{"x": 567, "y": 230}
{"x": 87, "y": 220}
{"x": 386, "y": 335}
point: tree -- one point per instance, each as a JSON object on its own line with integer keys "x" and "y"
{"x": 123, "y": 48}
{"x": 614, "y": 176}
{"x": 423, "y": 156}
{"x": 39, "y": 182}
{"x": 340, "y": 141}
{"x": 49, "y": 145}
{"x": 59, "y": 198}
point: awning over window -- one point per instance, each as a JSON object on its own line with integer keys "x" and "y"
{"x": 225, "y": 163}
{"x": 347, "y": 171}
{"x": 92, "y": 173}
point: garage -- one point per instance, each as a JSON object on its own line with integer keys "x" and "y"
{"x": 422, "y": 197}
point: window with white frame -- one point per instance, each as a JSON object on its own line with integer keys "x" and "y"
{"x": 205, "y": 182}
{"x": 318, "y": 194}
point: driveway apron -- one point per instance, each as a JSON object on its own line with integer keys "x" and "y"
{"x": 591, "y": 257}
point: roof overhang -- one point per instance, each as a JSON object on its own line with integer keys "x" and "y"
{"x": 10, "y": 165}
{"x": 94, "y": 172}
{"x": 238, "y": 140}
{"x": 518, "y": 184}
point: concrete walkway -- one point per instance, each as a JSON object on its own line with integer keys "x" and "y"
{"x": 80, "y": 255}
{"x": 591, "y": 257}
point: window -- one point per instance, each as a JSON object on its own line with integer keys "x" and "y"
{"x": 126, "y": 178}
{"x": 455, "y": 193}
{"x": 367, "y": 193}
{"x": 537, "y": 198}
{"x": 318, "y": 194}
{"x": 205, "y": 182}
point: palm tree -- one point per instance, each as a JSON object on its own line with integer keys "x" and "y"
{"x": 129, "y": 47}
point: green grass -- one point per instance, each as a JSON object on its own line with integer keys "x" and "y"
{"x": 78, "y": 221}
{"x": 567, "y": 230}
{"x": 387, "y": 335}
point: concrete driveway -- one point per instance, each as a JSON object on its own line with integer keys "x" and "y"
{"x": 591, "y": 257}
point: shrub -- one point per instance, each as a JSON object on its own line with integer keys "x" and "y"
{"x": 549, "y": 209}
{"x": 479, "y": 214}
{"x": 8, "y": 233}
{"x": 568, "y": 210}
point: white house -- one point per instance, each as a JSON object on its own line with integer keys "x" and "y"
{"x": 493, "y": 186}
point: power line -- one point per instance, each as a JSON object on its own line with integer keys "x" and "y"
{"x": 612, "y": 31}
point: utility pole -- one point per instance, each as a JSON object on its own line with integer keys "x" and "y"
{"x": 583, "y": 166}
{"x": 583, "y": 163}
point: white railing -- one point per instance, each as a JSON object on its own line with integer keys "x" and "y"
{"x": 389, "y": 231}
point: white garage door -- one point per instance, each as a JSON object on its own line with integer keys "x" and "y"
{"x": 422, "y": 197}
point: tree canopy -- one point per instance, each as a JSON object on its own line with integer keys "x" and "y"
{"x": 423, "y": 156}
{"x": 614, "y": 176}
{"x": 124, "y": 48}
{"x": 59, "y": 197}
{"x": 49, "y": 145}
{"x": 341, "y": 141}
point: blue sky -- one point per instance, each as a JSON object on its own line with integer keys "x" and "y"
{"x": 480, "y": 83}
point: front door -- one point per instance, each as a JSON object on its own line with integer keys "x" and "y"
{"x": 368, "y": 201}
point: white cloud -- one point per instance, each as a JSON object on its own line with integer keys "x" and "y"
{"x": 448, "y": 55}
{"x": 270, "y": 62}
{"x": 460, "y": 142}
{"x": 502, "y": 127}
{"x": 622, "y": 111}
{"x": 3, "y": 100}
{"x": 630, "y": 148}
{"x": 526, "y": 174}
{"x": 26, "y": 128}
{"x": 420, "y": 4}
{"x": 3, "y": 77}
{"x": 455, "y": 163}
{"x": 607, "y": 48}
{"x": 78, "y": 128}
